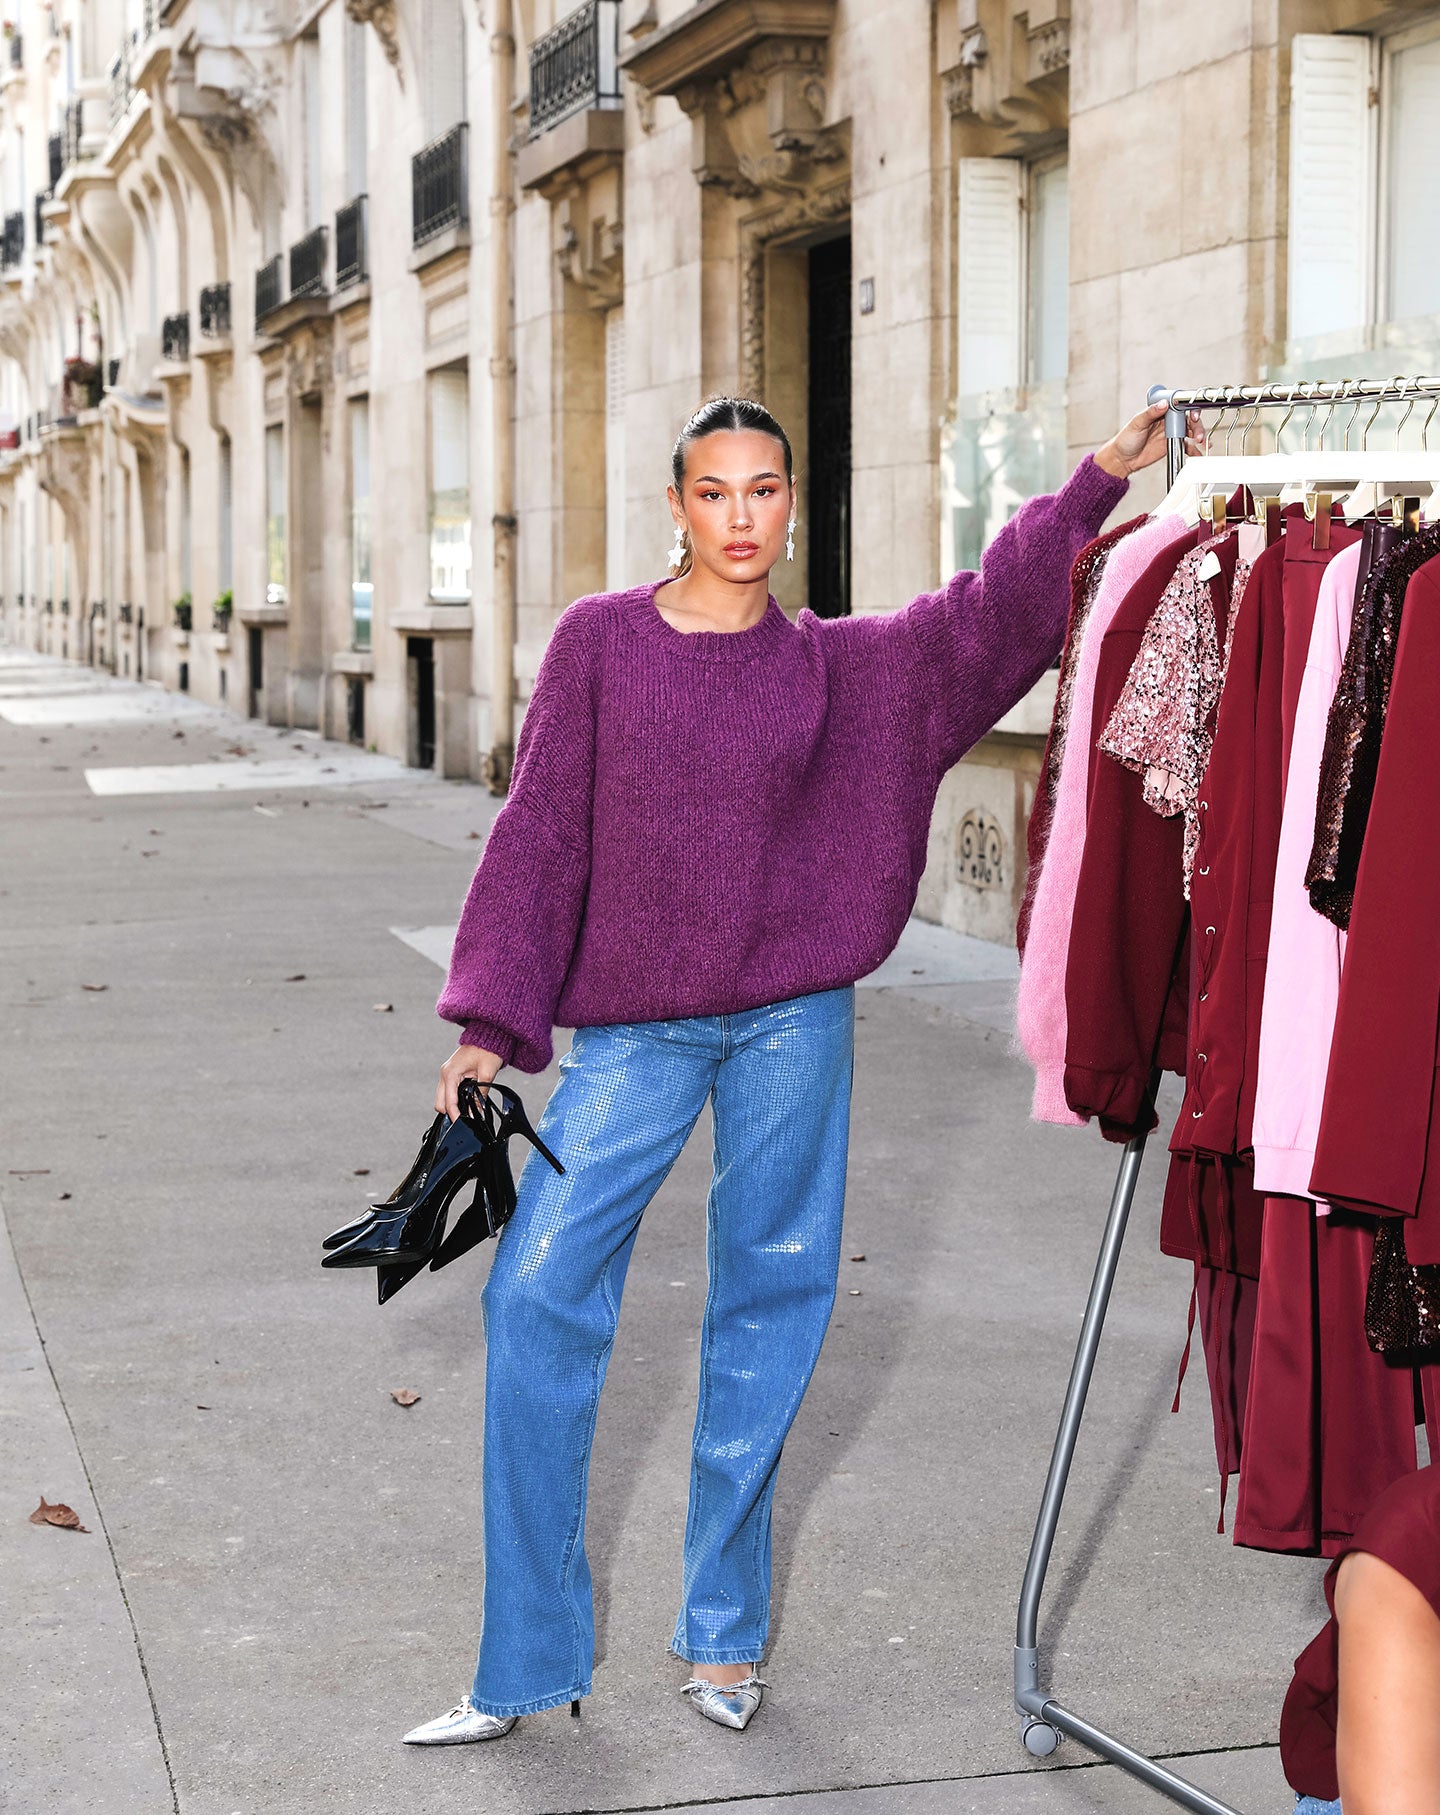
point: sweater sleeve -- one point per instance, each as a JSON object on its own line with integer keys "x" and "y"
{"x": 987, "y": 637}
{"x": 522, "y": 915}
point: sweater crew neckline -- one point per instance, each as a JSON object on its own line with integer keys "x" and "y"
{"x": 706, "y": 645}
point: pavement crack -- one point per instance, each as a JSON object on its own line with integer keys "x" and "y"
{"x": 101, "y": 1519}
{"x": 898, "y": 1783}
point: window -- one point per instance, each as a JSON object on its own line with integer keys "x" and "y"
{"x": 1047, "y": 274}
{"x": 615, "y": 449}
{"x": 310, "y": 102}
{"x": 443, "y": 69}
{"x": 361, "y": 591}
{"x": 275, "y": 515}
{"x": 1364, "y": 230}
{"x": 227, "y": 506}
{"x": 450, "y": 484}
{"x": 356, "y": 109}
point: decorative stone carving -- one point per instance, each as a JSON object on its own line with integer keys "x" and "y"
{"x": 380, "y": 14}
{"x": 590, "y": 252}
{"x": 1008, "y": 72}
{"x": 801, "y": 211}
{"x": 310, "y": 358}
{"x": 980, "y": 851}
{"x": 761, "y": 125}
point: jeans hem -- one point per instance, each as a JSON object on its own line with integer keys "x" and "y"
{"x": 512, "y": 1710}
{"x": 751, "y": 1654}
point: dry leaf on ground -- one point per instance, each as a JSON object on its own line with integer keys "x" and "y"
{"x": 59, "y": 1514}
{"x": 362, "y": 1172}
{"x": 404, "y": 1395}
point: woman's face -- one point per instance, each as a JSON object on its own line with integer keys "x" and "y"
{"x": 736, "y": 502}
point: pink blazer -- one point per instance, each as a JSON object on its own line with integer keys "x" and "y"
{"x": 1040, "y": 1008}
{"x": 1302, "y": 971}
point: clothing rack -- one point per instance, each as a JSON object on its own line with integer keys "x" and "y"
{"x": 1042, "y": 1718}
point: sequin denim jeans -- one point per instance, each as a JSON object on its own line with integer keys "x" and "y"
{"x": 779, "y": 1082}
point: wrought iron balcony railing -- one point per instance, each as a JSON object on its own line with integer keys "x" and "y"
{"x": 175, "y": 336}
{"x": 307, "y": 263}
{"x": 575, "y": 66}
{"x": 12, "y": 241}
{"x": 40, "y": 201}
{"x": 269, "y": 288}
{"x": 438, "y": 190}
{"x": 350, "y": 259}
{"x": 121, "y": 86}
{"x": 112, "y": 373}
{"x": 17, "y": 51}
{"x": 55, "y": 154}
{"x": 215, "y": 309}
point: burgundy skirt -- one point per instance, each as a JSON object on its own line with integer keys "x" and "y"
{"x": 1403, "y": 1530}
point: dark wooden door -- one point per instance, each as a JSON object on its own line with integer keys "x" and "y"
{"x": 829, "y": 413}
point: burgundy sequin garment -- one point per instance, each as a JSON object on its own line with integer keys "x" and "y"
{"x": 1353, "y": 731}
{"x": 1164, "y": 720}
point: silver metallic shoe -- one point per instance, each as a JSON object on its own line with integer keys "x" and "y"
{"x": 730, "y": 1706}
{"x": 460, "y": 1727}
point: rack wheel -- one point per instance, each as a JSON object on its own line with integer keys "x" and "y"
{"x": 1040, "y": 1738}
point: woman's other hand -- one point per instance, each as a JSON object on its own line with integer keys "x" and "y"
{"x": 464, "y": 1062}
{"x": 1142, "y": 441}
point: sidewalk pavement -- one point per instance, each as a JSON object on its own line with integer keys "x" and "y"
{"x": 281, "y": 1570}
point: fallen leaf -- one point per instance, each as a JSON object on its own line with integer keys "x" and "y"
{"x": 857, "y": 1257}
{"x": 404, "y": 1395}
{"x": 362, "y": 1172}
{"x": 63, "y": 1197}
{"x": 384, "y": 1008}
{"x": 59, "y": 1514}
{"x": 299, "y": 977}
{"x": 95, "y": 989}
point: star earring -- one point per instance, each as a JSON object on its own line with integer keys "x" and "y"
{"x": 677, "y": 553}
{"x": 790, "y": 540}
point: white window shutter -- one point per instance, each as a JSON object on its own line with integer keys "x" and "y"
{"x": 1332, "y": 183}
{"x": 990, "y": 253}
{"x": 1412, "y": 100}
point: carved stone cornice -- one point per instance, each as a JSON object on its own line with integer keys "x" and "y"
{"x": 714, "y": 35}
{"x": 591, "y": 253}
{"x": 1010, "y": 76}
{"x": 380, "y": 14}
{"x": 799, "y": 212}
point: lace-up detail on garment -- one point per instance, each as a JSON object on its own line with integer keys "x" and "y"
{"x": 1164, "y": 721}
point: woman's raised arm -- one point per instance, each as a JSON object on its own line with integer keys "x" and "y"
{"x": 987, "y": 637}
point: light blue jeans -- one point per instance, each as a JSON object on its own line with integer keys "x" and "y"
{"x": 778, "y": 1079}
{"x": 1311, "y": 1805}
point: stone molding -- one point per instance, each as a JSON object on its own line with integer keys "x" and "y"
{"x": 1004, "y": 70}
{"x": 800, "y": 212}
{"x": 714, "y": 35}
{"x": 380, "y": 14}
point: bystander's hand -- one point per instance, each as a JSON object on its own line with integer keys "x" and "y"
{"x": 465, "y": 1062}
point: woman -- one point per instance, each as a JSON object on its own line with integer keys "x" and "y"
{"x": 717, "y": 822}
{"x": 1362, "y": 1718}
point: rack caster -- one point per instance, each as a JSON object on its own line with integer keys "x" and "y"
{"x": 1039, "y": 1738}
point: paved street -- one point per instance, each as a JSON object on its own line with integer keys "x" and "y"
{"x": 218, "y": 949}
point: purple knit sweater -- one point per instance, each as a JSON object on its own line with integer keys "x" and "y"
{"x": 705, "y": 822}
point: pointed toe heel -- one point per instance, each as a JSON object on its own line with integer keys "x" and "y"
{"x": 730, "y": 1705}
{"x": 464, "y": 1725}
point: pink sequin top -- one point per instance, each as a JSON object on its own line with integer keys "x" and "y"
{"x": 1164, "y": 721}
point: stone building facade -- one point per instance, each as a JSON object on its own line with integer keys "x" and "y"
{"x": 342, "y": 344}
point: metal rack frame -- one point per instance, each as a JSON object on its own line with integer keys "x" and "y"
{"x": 1043, "y": 1719}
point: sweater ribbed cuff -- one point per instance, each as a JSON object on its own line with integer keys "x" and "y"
{"x": 491, "y": 1037}
{"x": 1090, "y": 494}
